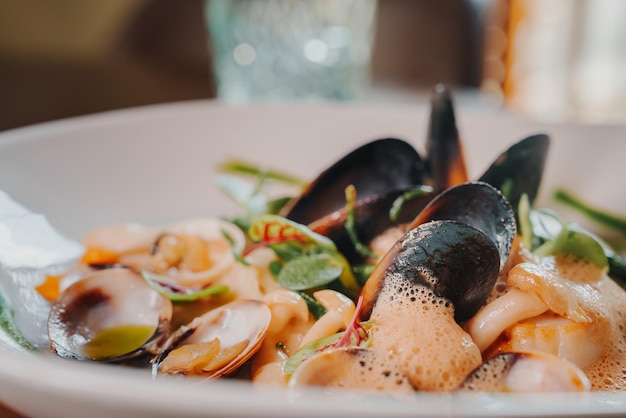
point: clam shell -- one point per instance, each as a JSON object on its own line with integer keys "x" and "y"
{"x": 232, "y": 333}
{"x": 108, "y": 301}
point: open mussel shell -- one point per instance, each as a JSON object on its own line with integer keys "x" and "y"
{"x": 445, "y": 160}
{"x": 371, "y": 219}
{"x": 457, "y": 261}
{"x": 519, "y": 169}
{"x": 216, "y": 343}
{"x": 479, "y": 205}
{"x": 111, "y": 315}
{"x": 373, "y": 169}
{"x": 526, "y": 372}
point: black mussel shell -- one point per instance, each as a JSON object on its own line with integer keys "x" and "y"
{"x": 445, "y": 161}
{"x": 374, "y": 169}
{"x": 455, "y": 260}
{"x": 479, "y": 205}
{"x": 519, "y": 169}
{"x": 371, "y": 219}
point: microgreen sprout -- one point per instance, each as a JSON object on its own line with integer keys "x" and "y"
{"x": 362, "y": 249}
{"x": 399, "y": 202}
{"x": 355, "y": 333}
{"x": 308, "y": 260}
{"x": 176, "y": 293}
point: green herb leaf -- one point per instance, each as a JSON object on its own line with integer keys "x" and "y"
{"x": 176, "y": 293}
{"x": 577, "y": 242}
{"x": 314, "y": 347}
{"x": 309, "y": 350}
{"x": 361, "y": 248}
{"x": 293, "y": 242}
{"x": 615, "y": 222}
{"x": 275, "y": 267}
{"x": 316, "y": 308}
{"x": 8, "y": 325}
{"x": 362, "y": 272}
{"x": 309, "y": 271}
{"x": 287, "y": 251}
{"x": 276, "y": 205}
{"x": 546, "y": 224}
{"x": 270, "y": 229}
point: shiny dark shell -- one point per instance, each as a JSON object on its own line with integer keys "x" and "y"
{"x": 519, "y": 169}
{"x": 479, "y": 205}
{"x": 374, "y": 169}
{"x": 445, "y": 160}
{"x": 455, "y": 260}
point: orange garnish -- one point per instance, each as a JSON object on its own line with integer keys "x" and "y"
{"x": 49, "y": 289}
{"x": 99, "y": 256}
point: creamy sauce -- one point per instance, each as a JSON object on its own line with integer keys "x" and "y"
{"x": 586, "y": 323}
{"x": 431, "y": 349}
{"x": 351, "y": 368}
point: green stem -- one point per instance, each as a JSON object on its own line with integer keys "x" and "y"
{"x": 240, "y": 167}
{"x": 361, "y": 248}
{"x": 609, "y": 220}
{"x": 397, "y": 204}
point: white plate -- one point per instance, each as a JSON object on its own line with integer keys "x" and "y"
{"x": 156, "y": 165}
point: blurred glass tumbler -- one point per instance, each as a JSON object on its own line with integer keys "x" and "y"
{"x": 305, "y": 50}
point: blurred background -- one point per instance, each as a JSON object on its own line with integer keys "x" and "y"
{"x": 557, "y": 59}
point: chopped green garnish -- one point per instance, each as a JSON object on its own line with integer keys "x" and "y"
{"x": 507, "y": 188}
{"x": 235, "y": 250}
{"x": 362, "y": 272}
{"x": 267, "y": 230}
{"x": 241, "y": 167}
{"x": 326, "y": 343}
{"x": 301, "y": 251}
{"x": 316, "y": 308}
{"x": 309, "y": 350}
{"x": 171, "y": 290}
{"x": 275, "y": 267}
{"x": 276, "y": 205}
{"x": 361, "y": 248}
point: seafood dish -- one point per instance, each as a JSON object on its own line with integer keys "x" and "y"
{"x": 391, "y": 272}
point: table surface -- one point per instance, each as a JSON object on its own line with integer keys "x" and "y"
{"x": 5, "y": 412}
